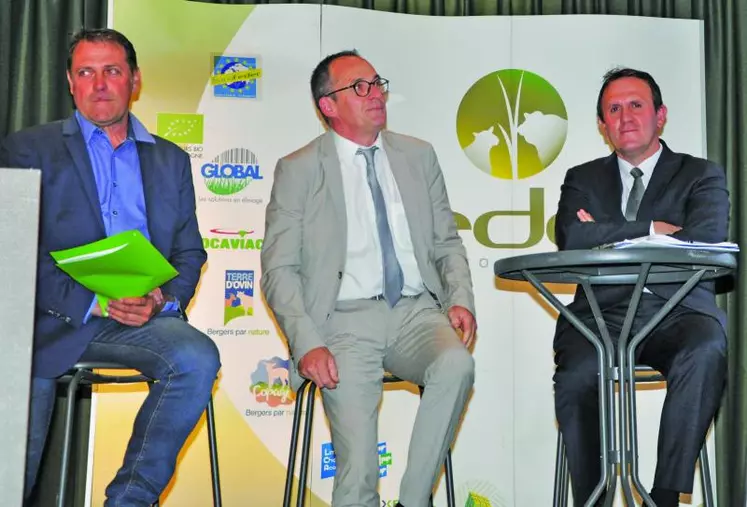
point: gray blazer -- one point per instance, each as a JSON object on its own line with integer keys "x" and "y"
{"x": 304, "y": 250}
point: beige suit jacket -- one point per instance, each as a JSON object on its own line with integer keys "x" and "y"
{"x": 304, "y": 250}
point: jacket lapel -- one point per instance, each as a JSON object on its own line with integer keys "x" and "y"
{"x": 611, "y": 186}
{"x": 664, "y": 171}
{"x": 76, "y": 146}
{"x": 154, "y": 208}
{"x": 408, "y": 188}
{"x": 333, "y": 176}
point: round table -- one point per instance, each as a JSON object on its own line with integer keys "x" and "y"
{"x": 630, "y": 266}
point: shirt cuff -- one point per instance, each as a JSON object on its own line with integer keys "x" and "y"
{"x": 87, "y": 317}
{"x": 172, "y": 306}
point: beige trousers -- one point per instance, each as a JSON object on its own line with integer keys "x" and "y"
{"x": 415, "y": 342}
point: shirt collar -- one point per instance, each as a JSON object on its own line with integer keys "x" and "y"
{"x": 647, "y": 166}
{"x": 347, "y": 149}
{"x": 135, "y": 129}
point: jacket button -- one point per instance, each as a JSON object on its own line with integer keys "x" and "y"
{"x": 339, "y": 275}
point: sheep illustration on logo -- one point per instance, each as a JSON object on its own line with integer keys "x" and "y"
{"x": 512, "y": 124}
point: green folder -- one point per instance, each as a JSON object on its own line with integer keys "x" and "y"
{"x": 120, "y": 266}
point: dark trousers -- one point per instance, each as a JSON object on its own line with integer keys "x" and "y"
{"x": 688, "y": 348}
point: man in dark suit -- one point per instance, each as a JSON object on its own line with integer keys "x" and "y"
{"x": 643, "y": 188}
{"x": 103, "y": 173}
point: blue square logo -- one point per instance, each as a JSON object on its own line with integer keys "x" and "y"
{"x": 235, "y": 76}
{"x": 385, "y": 460}
{"x": 329, "y": 462}
{"x": 239, "y": 295}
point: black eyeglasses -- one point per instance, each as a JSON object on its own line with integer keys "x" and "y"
{"x": 362, "y": 88}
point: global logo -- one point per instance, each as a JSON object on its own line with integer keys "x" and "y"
{"x": 512, "y": 124}
{"x": 231, "y": 171}
{"x": 270, "y": 383}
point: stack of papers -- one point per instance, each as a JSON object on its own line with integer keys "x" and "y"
{"x": 120, "y": 266}
{"x": 664, "y": 241}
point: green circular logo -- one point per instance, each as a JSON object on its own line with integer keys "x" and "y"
{"x": 512, "y": 124}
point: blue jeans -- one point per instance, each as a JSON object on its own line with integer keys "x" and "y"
{"x": 184, "y": 362}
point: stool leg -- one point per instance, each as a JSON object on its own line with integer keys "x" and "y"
{"x": 72, "y": 389}
{"x": 293, "y": 445}
{"x": 560, "y": 489}
{"x": 306, "y": 446}
{"x": 213, "y": 443}
{"x": 449, "y": 480}
{"x": 566, "y": 478}
{"x": 705, "y": 477}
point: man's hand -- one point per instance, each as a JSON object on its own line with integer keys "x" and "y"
{"x": 134, "y": 311}
{"x": 584, "y": 216}
{"x": 462, "y": 320}
{"x": 318, "y": 365}
{"x": 665, "y": 228}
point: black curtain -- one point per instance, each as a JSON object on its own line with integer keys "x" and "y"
{"x": 33, "y": 48}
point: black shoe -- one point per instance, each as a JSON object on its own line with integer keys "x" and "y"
{"x": 665, "y": 497}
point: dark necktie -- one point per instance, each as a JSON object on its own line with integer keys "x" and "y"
{"x": 636, "y": 194}
{"x": 393, "y": 278}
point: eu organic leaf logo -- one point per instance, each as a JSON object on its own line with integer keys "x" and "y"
{"x": 512, "y": 124}
{"x": 181, "y": 128}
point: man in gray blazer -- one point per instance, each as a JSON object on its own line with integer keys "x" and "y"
{"x": 365, "y": 272}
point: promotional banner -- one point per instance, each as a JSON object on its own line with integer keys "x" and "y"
{"x": 509, "y": 104}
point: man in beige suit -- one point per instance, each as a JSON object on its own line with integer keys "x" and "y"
{"x": 365, "y": 272}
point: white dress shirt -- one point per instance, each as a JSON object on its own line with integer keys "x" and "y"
{"x": 363, "y": 276}
{"x": 647, "y": 168}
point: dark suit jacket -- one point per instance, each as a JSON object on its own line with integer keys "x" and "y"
{"x": 686, "y": 191}
{"x": 71, "y": 216}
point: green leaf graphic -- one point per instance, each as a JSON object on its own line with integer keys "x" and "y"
{"x": 181, "y": 128}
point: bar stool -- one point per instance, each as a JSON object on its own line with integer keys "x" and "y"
{"x": 310, "y": 389}
{"x": 643, "y": 374}
{"x": 83, "y": 374}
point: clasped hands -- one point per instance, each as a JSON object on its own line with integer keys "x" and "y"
{"x": 134, "y": 311}
{"x": 318, "y": 364}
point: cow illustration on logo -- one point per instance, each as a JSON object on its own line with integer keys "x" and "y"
{"x": 512, "y": 124}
